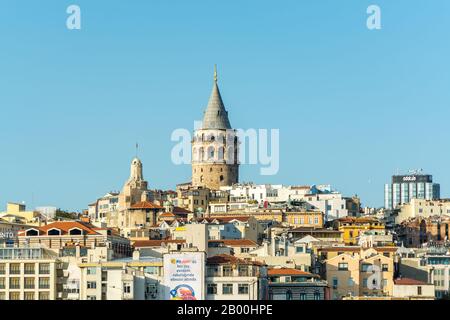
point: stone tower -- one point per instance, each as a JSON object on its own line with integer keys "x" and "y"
{"x": 215, "y": 146}
{"x": 134, "y": 189}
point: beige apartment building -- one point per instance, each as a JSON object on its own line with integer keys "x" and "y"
{"x": 30, "y": 274}
{"x": 353, "y": 271}
{"x": 423, "y": 208}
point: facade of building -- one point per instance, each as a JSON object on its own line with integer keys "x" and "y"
{"x": 30, "y": 274}
{"x": 353, "y": 271}
{"x": 423, "y": 208}
{"x": 231, "y": 278}
{"x": 215, "y": 156}
{"x": 294, "y": 284}
{"x": 58, "y": 235}
{"x": 406, "y": 187}
{"x": 352, "y": 227}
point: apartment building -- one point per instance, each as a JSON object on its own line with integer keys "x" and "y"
{"x": 136, "y": 278}
{"x": 57, "y": 235}
{"x": 354, "y": 271}
{"x": 431, "y": 266}
{"x": 294, "y": 284}
{"x": 423, "y": 208}
{"x": 231, "y": 278}
{"x": 30, "y": 274}
{"x": 353, "y": 227}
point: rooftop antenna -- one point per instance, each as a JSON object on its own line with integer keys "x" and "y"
{"x": 215, "y": 73}
{"x": 137, "y": 148}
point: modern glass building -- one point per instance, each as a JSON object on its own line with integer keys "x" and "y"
{"x": 406, "y": 187}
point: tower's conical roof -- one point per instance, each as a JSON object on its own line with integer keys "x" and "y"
{"x": 215, "y": 116}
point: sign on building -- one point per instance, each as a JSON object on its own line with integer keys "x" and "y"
{"x": 184, "y": 276}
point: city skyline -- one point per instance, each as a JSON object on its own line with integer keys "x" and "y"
{"x": 352, "y": 105}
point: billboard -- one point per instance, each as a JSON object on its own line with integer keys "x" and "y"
{"x": 184, "y": 276}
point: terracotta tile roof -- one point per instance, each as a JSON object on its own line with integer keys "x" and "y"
{"x": 64, "y": 226}
{"x": 236, "y": 242}
{"x": 146, "y": 205}
{"x": 167, "y": 215}
{"x": 228, "y": 259}
{"x": 155, "y": 243}
{"x": 288, "y": 272}
{"x": 228, "y": 219}
{"x": 409, "y": 282}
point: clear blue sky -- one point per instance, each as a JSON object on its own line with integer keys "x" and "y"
{"x": 352, "y": 105}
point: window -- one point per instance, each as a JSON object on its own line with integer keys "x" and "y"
{"x": 75, "y": 231}
{"x": 385, "y": 267}
{"x": 44, "y": 283}
{"x": 317, "y": 296}
{"x": 2, "y": 283}
{"x": 151, "y": 270}
{"x": 14, "y": 296}
{"x": 14, "y": 268}
{"x": 364, "y": 283}
{"x": 243, "y": 271}
{"x": 28, "y": 296}
{"x": 126, "y": 288}
{"x": 385, "y": 283}
{"x": 335, "y": 283}
{"x": 419, "y": 291}
{"x": 29, "y": 268}
{"x": 29, "y": 283}
{"x": 91, "y": 270}
{"x": 2, "y": 296}
{"x": 299, "y": 250}
{"x": 227, "y": 288}
{"x": 243, "y": 288}
{"x": 343, "y": 266}
{"x": 44, "y": 268}
{"x": 92, "y": 285}
{"x": 44, "y": 296}
{"x": 91, "y": 297}
{"x": 227, "y": 271}
{"x": 302, "y": 296}
{"x": 2, "y": 268}
{"x": 365, "y": 267}
{"x": 289, "y": 295}
{"x": 211, "y": 288}
{"x": 213, "y": 271}
{"x": 14, "y": 283}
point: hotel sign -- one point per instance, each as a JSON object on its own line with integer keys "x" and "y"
{"x": 184, "y": 276}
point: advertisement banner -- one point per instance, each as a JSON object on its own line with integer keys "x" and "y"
{"x": 184, "y": 276}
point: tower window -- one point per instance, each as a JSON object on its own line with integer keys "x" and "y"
{"x": 221, "y": 178}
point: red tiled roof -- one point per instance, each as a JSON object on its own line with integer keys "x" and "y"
{"x": 155, "y": 243}
{"x": 408, "y": 282}
{"x": 167, "y": 215}
{"x": 287, "y": 272}
{"x": 64, "y": 227}
{"x": 146, "y": 205}
{"x": 236, "y": 242}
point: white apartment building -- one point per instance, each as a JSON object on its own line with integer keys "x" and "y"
{"x": 231, "y": 278}
{"x": 137, "y": 278}
{"x": 322, "y": 197}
